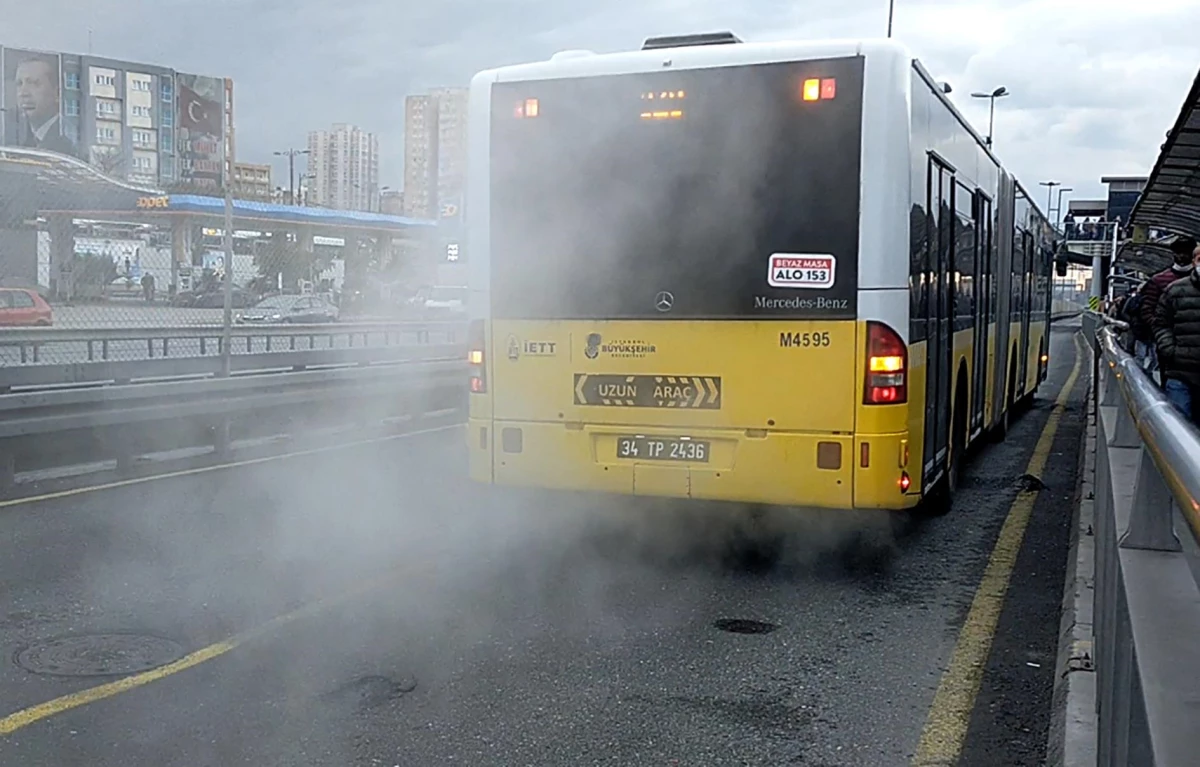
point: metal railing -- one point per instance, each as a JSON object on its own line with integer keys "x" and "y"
{"x": 34, "y": 357}
{"x": 1146, "y": 599}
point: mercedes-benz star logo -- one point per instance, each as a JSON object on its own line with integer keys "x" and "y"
{"x": 664, "y": 301}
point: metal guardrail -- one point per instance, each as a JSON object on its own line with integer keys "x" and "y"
{"x": 37, "y": 337}
{"x": 1146, "y": 600}
{"x": 59, "y": 428}
{"x": 64, "y": 356}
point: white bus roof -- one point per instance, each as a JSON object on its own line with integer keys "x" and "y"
{"x": 587, "y": 64}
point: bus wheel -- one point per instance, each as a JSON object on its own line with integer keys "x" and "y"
{"x": 1000, "y": 430}
{"x": 958, "y": 439}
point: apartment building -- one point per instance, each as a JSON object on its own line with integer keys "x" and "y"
{"x": 144, "y": 123}
{"x": 252, "y": 182}
{"x": 435, "y": 153}
{"x": 343, "y": 168}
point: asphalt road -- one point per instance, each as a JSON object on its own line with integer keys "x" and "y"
{"x": 510, "y": 632}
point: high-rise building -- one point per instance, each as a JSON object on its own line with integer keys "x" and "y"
{"x": 140, "y": 122}
{"x": 420, "y": 150}
{"x": 435, "y": 153}
{"x": 252, "y": 182}
{"x": 343, "y": 168}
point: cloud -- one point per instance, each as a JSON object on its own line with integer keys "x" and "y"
{"x": 1094, "y": 86}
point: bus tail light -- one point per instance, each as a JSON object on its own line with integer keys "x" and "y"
{"x": 477, "y": 357}
{"x": 887, "y": 367}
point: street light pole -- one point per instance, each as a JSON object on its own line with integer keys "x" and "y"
{"x": 1058, "y": 216}
{"x": 891, "y": 13}
{"x": 991, "y": 96}
{"x": 1049, "y": 193}
{"x": 291, "y": 155}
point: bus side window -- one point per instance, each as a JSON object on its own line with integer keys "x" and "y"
{"x": 918, "y": 260}
{"x": 964, "y": 255}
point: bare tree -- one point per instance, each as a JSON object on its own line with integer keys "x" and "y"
{"x": 110, "y": 162}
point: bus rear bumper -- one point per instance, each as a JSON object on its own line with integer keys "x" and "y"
{"x": 822, "y": 470}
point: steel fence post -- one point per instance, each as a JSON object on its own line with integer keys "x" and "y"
{"x": 1125, "y": 433}
{"x": 1151, "y": 523}
{"x": 1112, "y": 390}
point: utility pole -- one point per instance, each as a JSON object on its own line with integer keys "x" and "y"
{"x": 227, "y": 326}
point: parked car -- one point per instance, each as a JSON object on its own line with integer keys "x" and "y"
{"x": 21, "y": 307}
{"x": 124, "y": 287}
{"x": 445, "y": 301}
{"x": 303, "y": 309}
{"x": 213, "y": 299}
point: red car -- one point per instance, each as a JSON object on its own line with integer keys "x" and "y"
{"x": 23, "y": 307}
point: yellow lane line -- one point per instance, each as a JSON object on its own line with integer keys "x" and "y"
{"x": 946, "y": 725}
{"x": 216, "y": 467}
{"x": 36, "y": 713}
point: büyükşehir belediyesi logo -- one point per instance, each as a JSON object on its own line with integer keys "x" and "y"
{"x": 593, "y": 346}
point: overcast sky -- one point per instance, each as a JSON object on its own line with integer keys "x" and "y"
{"x": 1095, "y": 83}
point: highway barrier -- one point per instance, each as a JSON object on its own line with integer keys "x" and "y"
{"x": 53, "y": 429}
{"x": 1146, "y": 599}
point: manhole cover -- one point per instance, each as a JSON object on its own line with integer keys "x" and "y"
{"x": 743, "y": 626}
{"x": 371, "y": 691}
{"x": 98, "y": 655}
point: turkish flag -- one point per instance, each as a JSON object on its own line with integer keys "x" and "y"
{"x": 198, "y": 114}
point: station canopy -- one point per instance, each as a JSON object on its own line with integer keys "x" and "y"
{"x": 1171, "y": 199}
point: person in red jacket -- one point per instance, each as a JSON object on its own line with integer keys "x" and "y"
{"x": 1152, "y": 289}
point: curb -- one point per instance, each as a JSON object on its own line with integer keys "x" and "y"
{"x": 1072, "y": 736}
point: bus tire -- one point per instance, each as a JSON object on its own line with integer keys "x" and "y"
{"x": 1000, "y": 430}
{"x": 958, "y": 437}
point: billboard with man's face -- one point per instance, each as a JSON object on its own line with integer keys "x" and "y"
{"x": 32, "y": 97}
{"x": 201, "y": 122}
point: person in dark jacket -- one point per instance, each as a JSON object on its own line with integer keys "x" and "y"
{"x": 1152, "y": 290}
{"x": 1181, "y": 250}
{"x": 1177, "y": 333}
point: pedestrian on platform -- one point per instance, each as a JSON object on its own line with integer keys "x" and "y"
{"x": 1141, "y": 333}
{"x": 1177, "y": 332}
{"x": 1152, "y": 289}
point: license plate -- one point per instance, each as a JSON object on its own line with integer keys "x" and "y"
{"x": 681, "y": 449}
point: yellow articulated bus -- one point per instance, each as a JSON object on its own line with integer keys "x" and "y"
{"x": 778, "y": 274}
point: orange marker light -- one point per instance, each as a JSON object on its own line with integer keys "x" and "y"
{"x": 531, "y": 107}
{"x": 812, "y": 90}
{"x": 828, "y": 88}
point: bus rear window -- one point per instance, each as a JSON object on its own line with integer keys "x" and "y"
{"x": 731, "y": 191}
